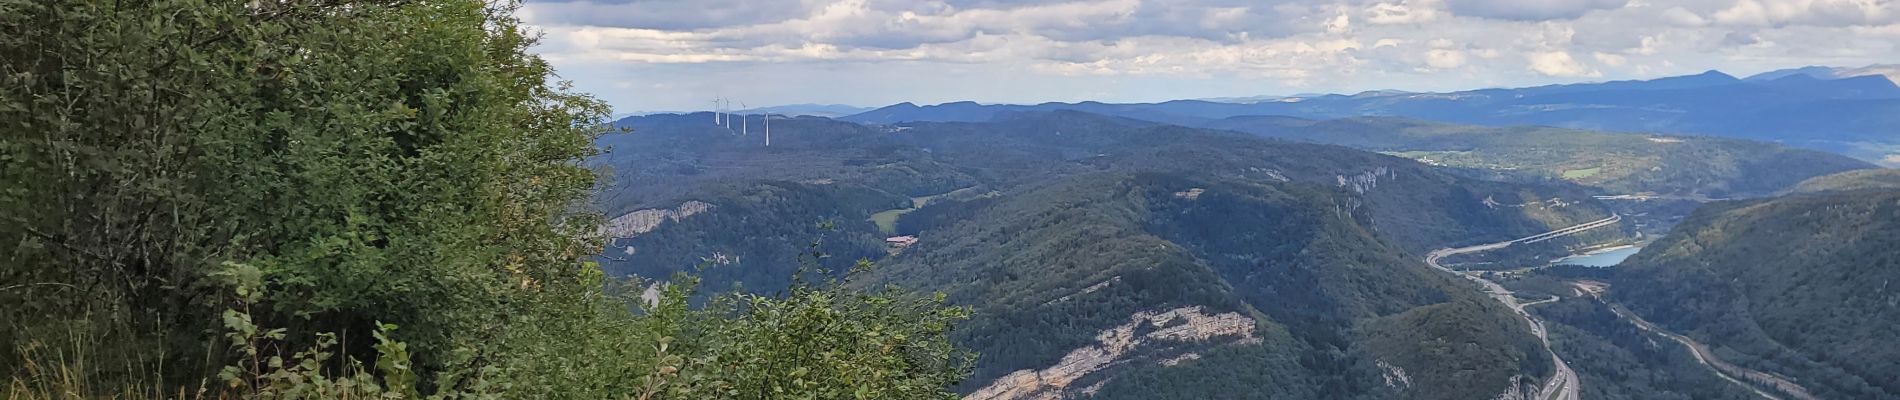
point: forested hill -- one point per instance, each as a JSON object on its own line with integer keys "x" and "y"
{"x": 1293, "y": 265}
{"x": 1852, "y": 180}
{"x": 1802, "y": 286}
{"x": 1615, "y": 163}
{"x": 845, "y": 174}
{"x": 1056, "y": 271}
{"x": 1419, "y": 207}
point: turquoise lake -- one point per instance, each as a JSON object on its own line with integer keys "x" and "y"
{"x": 1603, "y": 259}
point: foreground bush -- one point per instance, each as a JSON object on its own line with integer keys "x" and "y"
{"x": 332, "y": 198}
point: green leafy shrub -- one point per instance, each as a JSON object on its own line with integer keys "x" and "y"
{"x": 223, "y": 199}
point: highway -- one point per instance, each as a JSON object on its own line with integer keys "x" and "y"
{"x": 1563, "y": 384}
{"x": 1722, "y": 369}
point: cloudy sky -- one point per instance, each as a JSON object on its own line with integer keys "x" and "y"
{"x": 650, "y": 55}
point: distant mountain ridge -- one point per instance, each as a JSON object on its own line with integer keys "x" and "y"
{"x": 815, "y": 110}
{"x": 1889, "y": 71}
{"x": 1810, "y": 109}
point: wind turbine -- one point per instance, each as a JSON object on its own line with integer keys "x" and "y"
{"x": 768, "y": 129}
{"x": 715, "y": 110}
{"x": 743, "y": 119}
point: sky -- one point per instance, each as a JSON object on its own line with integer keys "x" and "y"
{"x": 677, "y": 55}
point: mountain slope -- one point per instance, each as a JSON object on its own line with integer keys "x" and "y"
{"x": 1417, "y": 206}
{"x": 826, "y": 170}
{"x": 1800, "y": 286}
{"x": 1112, "y": 255}
{"x": 1866, "y": 179}
{"x": 1050, "y": 269}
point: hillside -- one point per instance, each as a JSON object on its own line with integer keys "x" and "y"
{"x": 1798, "y": 286}
{"x": 1293, "y": 265}
{"x": 1616, "y": 163}
{"x": 1417, "y": 206}
{"x": 671, "y": 160}
{"x": 1336, "y": 312}
{"x": 1866, "y": 179}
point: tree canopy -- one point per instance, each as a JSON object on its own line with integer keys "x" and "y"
{"x": 285, "y": 186}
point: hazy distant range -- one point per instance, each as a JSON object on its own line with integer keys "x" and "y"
{"x": 1851, "y": 111}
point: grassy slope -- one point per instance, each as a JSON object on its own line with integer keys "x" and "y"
{"x": 1615, "y": 162}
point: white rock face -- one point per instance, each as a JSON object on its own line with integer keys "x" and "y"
{"x": 1091, "y": 289}
{"x": 1053, "y": 382}
{"x": 1181, "y": 359}
{"x": 638, "y": 222}
{"x": 1517, "y": 391}
{"x": 1395, "y": 376}
{"x": 1365, "y": 181}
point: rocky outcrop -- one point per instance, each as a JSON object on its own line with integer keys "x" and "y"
{"x": 1187, "y": 324}
{"x": 1178, "y": 360}
{"x": 638, "y": 222}
{"x": 1087, "y": 290}
{"x": 1519, "y": 390}
{"x": 1365, "y": 181}
{"x": 1395, "y": 377}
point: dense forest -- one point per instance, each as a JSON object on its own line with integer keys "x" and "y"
{"x": 1851, "y": 181}
{"x": 755, "y": 236}
{"x": 852, "y": 172}
{"x": 1055, "y": 227}
{"x": 1048, "y": 269}
{"x": 1797, "y": 286}
{"x": 365, "y": 199}
{"x": 1618, "y": 360}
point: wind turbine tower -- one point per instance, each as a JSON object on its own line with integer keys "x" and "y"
{"x": 743, "y": 120}
{"x": 715, "y": 111}
{"x": 768, "y": 129}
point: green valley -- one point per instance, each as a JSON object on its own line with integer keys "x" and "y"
{"x": 704, "y": 200}
{"x": 1057, "y": 228}
{"x": 1612, "y": 163}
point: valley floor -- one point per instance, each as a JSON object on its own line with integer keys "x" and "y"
{"x": 1563, "y": 385}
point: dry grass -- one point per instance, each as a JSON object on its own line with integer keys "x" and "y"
{"x": 94, "y": 353}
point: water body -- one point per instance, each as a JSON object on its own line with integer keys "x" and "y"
{"x": 1601, "y": 258}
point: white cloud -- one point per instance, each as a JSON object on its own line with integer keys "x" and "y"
{"x": 1808, "y": 12}
{"x": 1339, "y": 24}
{"x": 1165, "y": 47}
{"x": 1560, "y": 64}
{"x": 1444, "y": 58}
{"x": 1531, "y": 10}
{"x": 1682, "y": 17}
{"x": 1402, "y": 12}
{"x": 1611, "y": 60}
